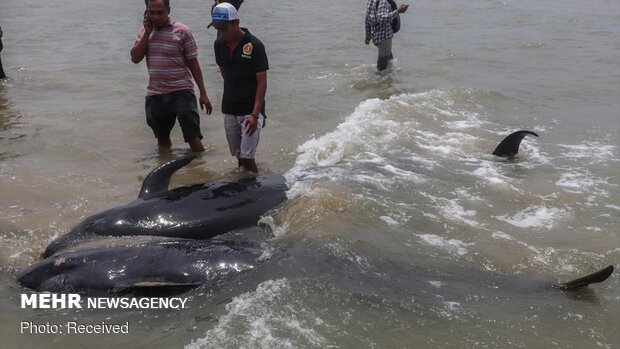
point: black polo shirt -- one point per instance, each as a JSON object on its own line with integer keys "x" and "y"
{"x": 240, "y": 68}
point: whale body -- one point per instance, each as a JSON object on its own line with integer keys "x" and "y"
{"x": 197, "y": 214}
{"x": 200, "y": 211}
{"x": 179, "y": 264}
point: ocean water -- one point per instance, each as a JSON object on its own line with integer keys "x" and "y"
{"x": 401, "y": 229}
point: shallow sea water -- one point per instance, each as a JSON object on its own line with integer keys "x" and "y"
{"x": 400, "y": 231}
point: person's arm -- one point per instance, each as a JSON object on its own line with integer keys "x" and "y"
{"x": 261, "y": 91}
{"x": 368, "y": 23}
{"x": 140, "y": 47}
{"x": 385, "y": 13}
{"x": 194, "y": 68}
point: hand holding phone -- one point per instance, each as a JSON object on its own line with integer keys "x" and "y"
{"x": 148, "y": 24}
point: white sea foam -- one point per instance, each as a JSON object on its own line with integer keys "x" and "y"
{"x": 403, "y": 174}
{"x": 374, "y": 132}
{"x": 444, "y": 144}
{"x": 535, "y": 156}
{"x": 452, "y": 210}
{"x": 471, "y": 120}
{"x": 388, "y": 220}
{"x": 504, "y": 236}
{"x": 376, "y": 180}
{"x": 489, "y": 172}
{"x": 465, "y": 194}
{"x": 265, "y": 319}
{"x": 591, "y": 150}
{"x": 453, "y": 245}
{"x": 535, "y": 217}
{"x": 437, "y": 284}
{"x": 452, "y": 305}
{"x": 342, "y": 252}
{"x": 347, "y": 138}
{"x": 501, "y": 235}
{"x": 422, "y": 161}
{"x": 580, "y": 182}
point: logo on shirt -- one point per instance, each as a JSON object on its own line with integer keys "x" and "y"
{"x": 247, "y": 50}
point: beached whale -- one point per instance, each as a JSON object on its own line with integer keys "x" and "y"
{"x": 179, "y": 265}
{"x": 194, "y": 212}
{"x": 509, "y": 146}
{"x": 169, "y": 265}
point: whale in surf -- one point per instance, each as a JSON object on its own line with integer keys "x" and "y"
{"x": 200, "y": 211}
{"x": 195, "y": 213}
{"x": 175, "y": 265}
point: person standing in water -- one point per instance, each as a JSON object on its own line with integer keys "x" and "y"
{"x": 171, "y": 58}
{"x": 380, "y": 14}
{"x": 243, "y": 64}
{"x": 2, "y": 75}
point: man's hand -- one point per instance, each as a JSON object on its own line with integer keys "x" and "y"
{"x": 205, "y": 103}
{"x": 403, "y": 8}
{"x": 251, "y": 121}
{"x": 148, "y": 25}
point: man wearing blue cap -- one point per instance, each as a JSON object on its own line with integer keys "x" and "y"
{"x": 235, "y": 3}
{"x": 243, "y": 64}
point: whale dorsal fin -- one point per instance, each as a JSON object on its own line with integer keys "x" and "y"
{"x": 597, "y": 276}
{"x": 509, "y": 146}
{"x": 159, "y": 179}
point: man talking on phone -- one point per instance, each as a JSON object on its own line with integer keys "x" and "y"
{"x": 382, "y": 21}
{"x": 171, "y": 58}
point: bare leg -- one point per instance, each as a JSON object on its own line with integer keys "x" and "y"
{"x": 248, "y": 164}
{"x": 164, "y": 142}
{"x": 196, "y": 145}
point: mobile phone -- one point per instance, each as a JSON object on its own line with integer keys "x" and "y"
{"x": 146, "y": 20}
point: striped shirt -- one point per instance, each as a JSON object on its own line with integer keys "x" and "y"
{"x": 169, "y": 49}
{"x": 379, "y": 16}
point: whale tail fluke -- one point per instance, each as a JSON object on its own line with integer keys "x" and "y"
{"x": 158, "y": 180}
{"x": 509, "y": 146}
{"x": 597, "y": 276}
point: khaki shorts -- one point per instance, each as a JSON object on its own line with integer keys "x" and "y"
{"x": 241, "y": 145}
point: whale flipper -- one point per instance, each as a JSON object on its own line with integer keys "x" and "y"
{"x": 509, "y": 146}
{"x": 597, "y": 276}
{"x": 158, "y": 180}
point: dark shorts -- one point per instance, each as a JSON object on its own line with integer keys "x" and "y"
{"x": 163, "y": 110}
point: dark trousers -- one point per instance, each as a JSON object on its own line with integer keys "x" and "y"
{"x": 2, "y": 75}
{"x": 385, "y": 54}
